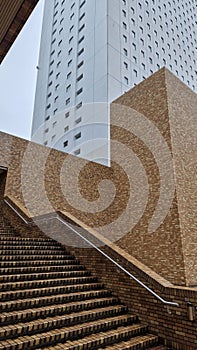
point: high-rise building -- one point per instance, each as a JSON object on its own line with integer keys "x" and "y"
{"x": 92, "y": 51}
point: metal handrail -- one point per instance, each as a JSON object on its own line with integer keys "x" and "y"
{"x": 168, "y": 303}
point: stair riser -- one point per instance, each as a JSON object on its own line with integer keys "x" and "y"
{"x": 40, "y": 269}
{"x": 49, "y": 291}
{"x": 62, "y": 337}
{"x": 46, "y": 283}
{"x": 43, "y": 276}
{"x": 52, "y": 312}
{"x": 45, "y": 326}
{"x": 34, "y": 263}
{"x": 34, "y": 257}
{"x": 58, "y": 299}
{"x": 27, "y": 247}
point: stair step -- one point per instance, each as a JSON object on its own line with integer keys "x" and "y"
{"x": 22, "y": 304}
{"x": 35, "y": 263}
{"x": 12, "y": 243}
{"x": 40, "y": 257}
{"x": 142, "y": 342}
{"x": 43, "y": 325}
{"x": 52, "y": 310}
{"x": 38, "y": 292}
{"x": 158, "y": 347}
{"x": 27, "y": 246}
{"x": 42, "y": 276}
{"x": 44, "y": 283}
{"x": 40, "y": 269}
{"x": 31, "y": 252}
{"x": 27, "y": 239}
{"x": 101, "y": 329}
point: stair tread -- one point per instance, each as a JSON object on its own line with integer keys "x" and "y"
{"x": 55, "y": 281}
{"x": 43, "y": 269}
{"x": 42, "y": 276}
{"x": 68, "y": 331}
{"x": 60, "y": 321}
{"x": 55, "y": 307}
{"x": 35, "y": 262}
{"x": 53, "y": 298}
{"x": 127, "y": 345}
{"x": 50, "y": 301}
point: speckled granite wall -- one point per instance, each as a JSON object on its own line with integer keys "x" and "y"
{"x": 133, "y": 203}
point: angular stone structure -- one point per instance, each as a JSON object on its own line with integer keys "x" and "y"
{"x": 146, "y": 203}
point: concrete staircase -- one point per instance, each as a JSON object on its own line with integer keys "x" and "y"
{"x": 49, "y": 301}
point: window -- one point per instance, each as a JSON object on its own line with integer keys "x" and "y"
{"x": 81, "y": 28}
{"x": 68, "y": 101}
{"x": 126, "y": 80}
{"x": 124, "y": 13}
{"x": 77, "y": 136}
{"x": 81, "y": 39}
{"x": 125, "y": 52}
{"x": 80, "y": 52}
{"x": 82, "y": 4}
{"x": 80, "y": 64}
{"x": 78, "y": 151}
{"x": 66, "y": 143}
{"x": 68, "y": 88}
{"x": 79, "y": 91}
{"x": 78, "y": 120}
{"x": 46, "y": 130}
{"x": 67, "y": 114}
{"x": 79, "y": 105}
{"x": 69, "y": 75}
{"x": 66, "y": 128}
{"x": 126, "y": 65}
{"x": 124, "y": 25}
{"x": 72, "y": 5}
{"x": 69, "y": 63}
{"x": 135, "y": 72}
{"x": 82, "y": 16}
{"x": 71, "y": 39}
{"x": 142, "y": 41}
{"x": 55, "y": 111}
{"x": 80, "y": 77}
{"x": 125, "y": 38}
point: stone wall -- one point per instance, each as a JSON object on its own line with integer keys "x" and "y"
{"x": 133, "y": 203}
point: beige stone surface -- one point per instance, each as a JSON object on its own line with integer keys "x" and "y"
{"x": 131, "y": 203}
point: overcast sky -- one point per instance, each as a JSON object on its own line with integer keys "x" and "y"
{"x": 18, "y": 78}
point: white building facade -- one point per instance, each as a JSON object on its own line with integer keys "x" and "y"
{"x": 92, "y": 51}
